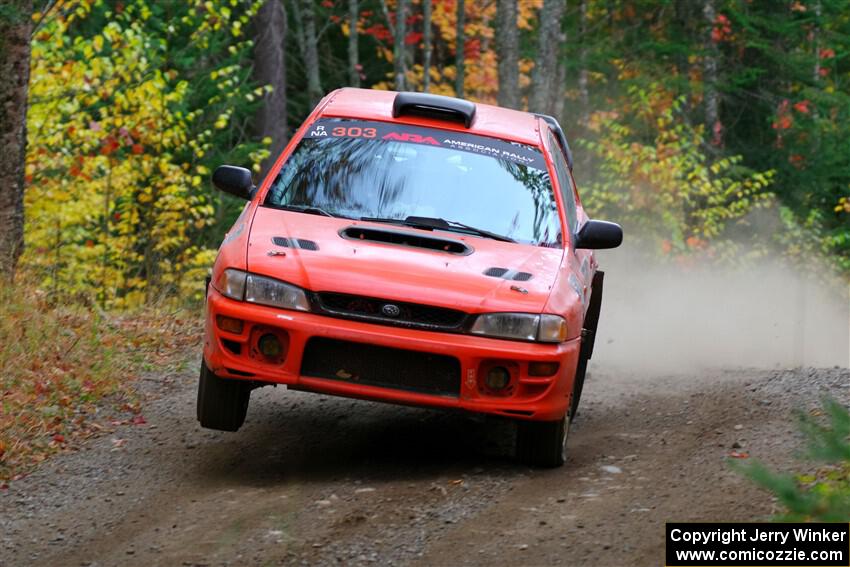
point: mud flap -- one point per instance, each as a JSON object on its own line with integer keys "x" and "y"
{"x": 591, "y": 319}
{"x": 588, "y": 338}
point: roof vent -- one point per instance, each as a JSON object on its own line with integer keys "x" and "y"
{"x": 434, "y": 106}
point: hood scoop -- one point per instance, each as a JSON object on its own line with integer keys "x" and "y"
{"x": 507, "y": 274}
{"x": 295, "y": 243}
{"x": 405, "y": 238}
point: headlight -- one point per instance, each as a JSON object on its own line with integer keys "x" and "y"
{"x": 268, "y": 291}
{"x": 522, "y": 326}
{"x": 252, "y": 288}
{"x": 231, "y": 283}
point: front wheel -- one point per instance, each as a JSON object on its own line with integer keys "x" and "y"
{"x": 543, "y": 443}
{"x": 222, "y": 403}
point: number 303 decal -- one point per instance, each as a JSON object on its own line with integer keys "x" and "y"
{"x": 354, "y": 132}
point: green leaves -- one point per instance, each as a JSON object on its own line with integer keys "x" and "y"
{"x": 825, "y": 495}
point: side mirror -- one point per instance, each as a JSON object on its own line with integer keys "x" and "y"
{"x": 596, "y": 234}
{"x": 234, "y": 180}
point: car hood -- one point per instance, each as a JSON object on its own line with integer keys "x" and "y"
{"x": 397, "y": 272}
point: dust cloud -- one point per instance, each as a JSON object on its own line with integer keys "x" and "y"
{"x": 663, "y": 318}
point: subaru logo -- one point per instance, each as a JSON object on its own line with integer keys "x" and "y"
{"x": 390, "y": 310}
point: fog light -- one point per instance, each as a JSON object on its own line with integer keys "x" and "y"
{"x": 270, "y": 346}
{"x": 498, "y": 378}
{"x": 543, "y": 368}
{"x": 229, "y": 324}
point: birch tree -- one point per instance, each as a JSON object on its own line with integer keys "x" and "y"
{"x": 353, "y": 48}
{"x": 460, "y": 60}
{"x": 270, "y": 69}
{"x": 549, "y": 40}
{"x": 305, "y": 20}
{"x": 427, "y": 42}
{"x": 713, "y": 126}
{"x": 399, "y": 55}
{"x": 507, "y": 46}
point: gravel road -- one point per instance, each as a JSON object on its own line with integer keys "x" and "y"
{"x": 315, "y": 480}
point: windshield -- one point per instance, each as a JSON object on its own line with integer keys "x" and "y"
{"x": 382, "y": 170}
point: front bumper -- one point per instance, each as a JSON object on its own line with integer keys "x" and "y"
{"x": 530, "y": 397}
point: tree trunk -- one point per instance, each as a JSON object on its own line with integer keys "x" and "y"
{"x": 507, "y": 47}
{"x": 311, "y": 52}
{"x": 583, "y": 74}
{"x": 270, "y": 69}
{"x": 545, "y": 74}
{"x": 460, "y": 41}
{"x": 713, "y": 126}
{"x": 399, "y": 58}
{"x": 353, "y": 50}
{"x": 426, "y": 45}
{"x": 15, "y": 30}
{"x": 816, "y": 41}
{"x": 556, "y": 104}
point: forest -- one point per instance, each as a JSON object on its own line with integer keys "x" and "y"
{"x": 712, "y": 129}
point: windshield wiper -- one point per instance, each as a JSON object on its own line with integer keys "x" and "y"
{"x": 432, "y": 223}
{"x": 306, "y": 209}
{"x": 480, "y": 231}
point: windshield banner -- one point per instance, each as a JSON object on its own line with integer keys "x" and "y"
{"x": 392, "y": 132}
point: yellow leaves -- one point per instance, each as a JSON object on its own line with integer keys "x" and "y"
{"x": 656, "y": 175}
{"x": 114, "y": 180}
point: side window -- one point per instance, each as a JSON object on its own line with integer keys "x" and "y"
{"x": 564, "y": 183}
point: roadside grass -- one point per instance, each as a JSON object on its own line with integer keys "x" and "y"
{"x": 68, "y": 371}
{"x": 823, "y": 496}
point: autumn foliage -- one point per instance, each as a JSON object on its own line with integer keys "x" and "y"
{"x": 69, "y": 371}
{"x": 121, "y": 145}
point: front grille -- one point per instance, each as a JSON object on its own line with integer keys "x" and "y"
{"x": 390, "y": 312}
{"x": 386, "y": 367}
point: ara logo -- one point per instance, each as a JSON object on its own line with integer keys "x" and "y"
{"x": 408, "y": 137}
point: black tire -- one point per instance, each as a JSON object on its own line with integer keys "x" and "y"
{"x": 222, "y": 403}
{"x": 543, "y": 443}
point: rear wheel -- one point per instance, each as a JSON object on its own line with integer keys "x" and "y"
{"x": 222, "y": 403}
{"x": 543, "y": 443}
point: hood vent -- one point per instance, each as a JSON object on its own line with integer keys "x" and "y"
{"x": 507, "y": 274}
{"x": 295, "y": 243}
{"x": 405, "y": 238}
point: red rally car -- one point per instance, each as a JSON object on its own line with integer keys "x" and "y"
{"x": 414, "y": 249}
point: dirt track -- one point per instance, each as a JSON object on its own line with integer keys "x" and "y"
{"x": 317, "y": 480}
